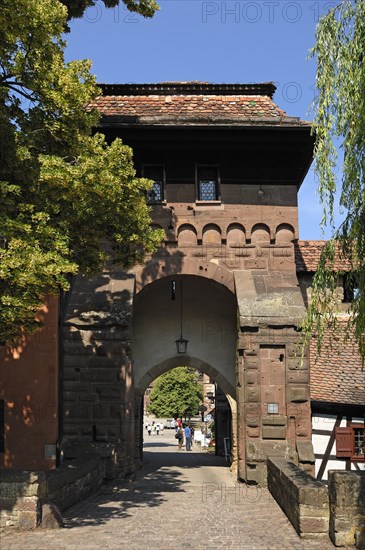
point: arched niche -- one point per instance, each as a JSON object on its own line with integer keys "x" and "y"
{"x": 284, "y": 233}
{"x": 260, "y": 233}
{"x": 236, "y": 234}
{"x": 212, "y": 234}
{"x": 187, "y": 235}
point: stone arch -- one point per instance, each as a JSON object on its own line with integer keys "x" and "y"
{"x": 208, "y": 314}
{"x": 177, "y": 265}
{"x": 187, "y": 235}
{"x": 236, "y": 234}
{"x": 226, "y": 386}
{"x": 284, "y": 234}
{"x": 260, "y": 233}
{"x": 187, "y": 361}
{"x": 212, "y": 234}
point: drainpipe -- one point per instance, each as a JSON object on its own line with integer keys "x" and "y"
{"x": 64, "y": 301}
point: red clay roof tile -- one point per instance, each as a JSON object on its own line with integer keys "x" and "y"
{"x": 307, "y": 255}
{"x": 337, "y": 375}
{"x": 193, "y": 103}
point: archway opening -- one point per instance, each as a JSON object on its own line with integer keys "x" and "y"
{"x": 204, "y": 313}
{"x": 183, "y": 400}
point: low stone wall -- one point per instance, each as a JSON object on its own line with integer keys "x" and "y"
{"x": 20, "y": 504}
{"x": 347, "y": 508}
{"x": 303, "y": 499}
{"x": 22, "y": 494}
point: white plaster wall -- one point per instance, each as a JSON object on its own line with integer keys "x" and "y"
{"x": 326, "y": 422}
{"x": 209, "y": 324}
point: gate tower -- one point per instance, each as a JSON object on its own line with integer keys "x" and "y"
{"x": 227, "y": 164}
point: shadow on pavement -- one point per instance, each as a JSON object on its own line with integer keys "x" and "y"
{"x": 120, "y": 499}
{"x": 171, "y": 445}
{"x": 163, "y": 472}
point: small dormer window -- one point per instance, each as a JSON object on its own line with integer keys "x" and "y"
{"x": 208, "y": 183}
{"x": 155, "y": 173}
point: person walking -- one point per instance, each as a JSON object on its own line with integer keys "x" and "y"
{"x": 157, "y": 428}
{"x": 149, "y": 428}
{"x": 187, "y": 433}
{"x": 192, "y": 430}
{"x": 180, "y": 438}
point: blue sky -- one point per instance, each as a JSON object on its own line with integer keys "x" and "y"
{"x": 214, "y": 41}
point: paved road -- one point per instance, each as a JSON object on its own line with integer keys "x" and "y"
{"x": 179, "y": 500}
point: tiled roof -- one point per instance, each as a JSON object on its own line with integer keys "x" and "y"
{"x": 337, "y": 375}
{"x": 307, "y": 254}
{"x": 192, "y": 104}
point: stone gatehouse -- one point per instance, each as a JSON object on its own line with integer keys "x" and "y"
{"x": 227, "y": 164}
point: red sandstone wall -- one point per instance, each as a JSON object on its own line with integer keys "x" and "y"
{"x": 29, "y": 386}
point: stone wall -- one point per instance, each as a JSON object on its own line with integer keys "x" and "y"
{"x": 347, "y": 508}
{"x": 269, "y": 371}
{"x": 303, "y": 499}
{"x": 23, "y": 493}
{"x": 97, "y": 389}
{"x": 96, "y": 392}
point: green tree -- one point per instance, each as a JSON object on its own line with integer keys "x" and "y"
{"x": 64, "y": 192}
{"x": 340, "y": 117}
{"x": 76, "y": 8}
{"x": 176, "y": 393}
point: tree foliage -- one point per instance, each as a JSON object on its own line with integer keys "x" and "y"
{"x": 63, "y": 191}
{"x": 176, "y": 393}
{"x": 76, "y": 8}
{"x": 340, "y": 115}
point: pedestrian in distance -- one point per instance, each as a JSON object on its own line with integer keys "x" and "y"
{"x": 180, "y": 438}
{"x": 157, "y": 428}
{"x": 192, "y": 430}
{"x": 187, "y": 433}
{"x": 149, "y": 428}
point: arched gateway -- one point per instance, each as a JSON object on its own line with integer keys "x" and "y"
{"x": 227, "y": 165}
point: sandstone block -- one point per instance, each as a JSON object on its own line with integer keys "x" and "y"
{"x": 252, "y": 421}
{"x": 27, "y": 520}
{"x": 313, "y": 525}
{"x": 298, "y": 394}
{"x": 253, "y": 431}
{"x": 274, "y": 432}
{"x": 252, "y": 394}
{"x": 251, "y": 377}
{"x": 51, "y": 517}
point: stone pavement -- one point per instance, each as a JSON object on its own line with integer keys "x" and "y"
{"x": 179, "y": 500}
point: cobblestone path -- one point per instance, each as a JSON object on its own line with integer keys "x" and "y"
{"x": 179, "y": 500}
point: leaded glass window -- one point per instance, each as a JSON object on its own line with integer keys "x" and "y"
{"x": 155, "y": 194}
{"x": 208, "y": 183}
{"x": 156, "y": 174}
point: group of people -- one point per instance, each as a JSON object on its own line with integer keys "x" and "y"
{"x": 154, "y": 428}
{"x": 186, "y": 432}
{"x": 182, "y": 432}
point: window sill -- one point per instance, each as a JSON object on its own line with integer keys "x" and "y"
{"x": 154, "y": 203}
{"x": 208, "y": 203}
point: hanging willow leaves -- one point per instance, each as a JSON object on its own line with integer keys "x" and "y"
{"x": 340, "y": 117}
